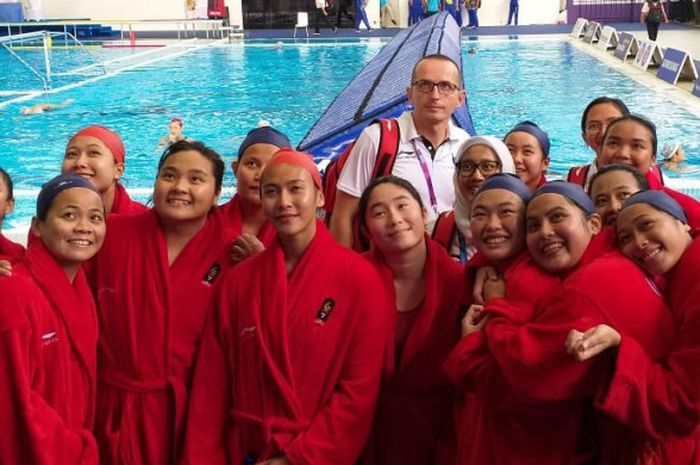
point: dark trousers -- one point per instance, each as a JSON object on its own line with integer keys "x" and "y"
{"x": 513, "y": 14}
{"x": 343, "y": 10}
{"x": 652, "y": 30}
{"x": 321, "y": 17}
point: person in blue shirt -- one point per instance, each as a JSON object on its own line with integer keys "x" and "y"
{"x": 431, "y": 7}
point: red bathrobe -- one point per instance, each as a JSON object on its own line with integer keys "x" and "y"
{"x": 663, "y": 399}
{"x": 290, "y": 365}
{"x": 123, "y": 204}
{"x": 233, "y": 219}
{"x": 48, "y": 346}
{"x": 608, "y": 289}
{"x": 497, "y": 425}
{"x": 9, "y": 250}
{"x": 415, "y": 401}
{"x": 151, "y": 316}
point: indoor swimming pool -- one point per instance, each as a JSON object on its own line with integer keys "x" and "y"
{"x": 223, "y": 90}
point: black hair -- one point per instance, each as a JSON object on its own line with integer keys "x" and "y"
{"x": 619, "y": 104}
{"x": 8, "y": 182}
{"x": 642, "y": 183}
{"x": 651, "y": 127}
{"x": 438, "y": 56}
{"x": 390, "y": 179}
{"x": 208, "y": 153}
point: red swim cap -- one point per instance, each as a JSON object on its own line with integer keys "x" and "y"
{"x": 108, "y": 137}
{"x": 301, "y": 159}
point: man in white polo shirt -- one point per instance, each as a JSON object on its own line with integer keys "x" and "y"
{"x": 428, "y": 142}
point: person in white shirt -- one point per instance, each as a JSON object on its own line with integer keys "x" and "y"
{"x": 427, "y": 146}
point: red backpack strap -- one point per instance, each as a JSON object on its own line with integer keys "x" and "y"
{"x": 389, "y": 137}
{"x": 444, "y": 229}
{"x": 577, "y": 174}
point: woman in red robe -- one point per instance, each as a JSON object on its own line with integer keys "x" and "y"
{"x": 658, "y": 398}
{"x": 97, "y": 153}
{"x": 600, "y": 286}
{"x": 154, "y": 280}
{"x": 495, "y": 423}
{"x": 48, "y": 333}
{"x": 413, "y": 417}
{"x": 290, "y": 364}
{"x": 243, "y": 214}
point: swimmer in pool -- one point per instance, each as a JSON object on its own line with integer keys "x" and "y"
{"x": 45, "y": 107}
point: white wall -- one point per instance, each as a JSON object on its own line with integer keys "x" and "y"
{"x": 102, "y": 10}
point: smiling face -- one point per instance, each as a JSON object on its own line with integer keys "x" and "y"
{"x": 629, "y": 143}
{"x": 530, "y": 161}
{"x": 74, "y": 227}
{"x": 90, "y": 158}
{"x": 653, "y": 239}
{"x": 433, "y": 107}
{"x": 498, "y": 224}
{"x": 185, "y": 188}
{"x": 597, "y": 121}
{"x": 470, "y": 181}
{"x": 290, "y": 200}
{"x": 558, "y": 232}
{"x": 249, "y": 168}
{"x": 394, "y": 219}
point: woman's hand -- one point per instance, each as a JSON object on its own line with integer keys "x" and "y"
{"x": 245, "y": 246}
{"x": 5, "y": 268}
{"x": 474, "y": 320}
{"x": 591, "y": 343}
{"x": 488, "y": 285}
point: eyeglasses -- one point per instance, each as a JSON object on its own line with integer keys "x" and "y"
{"x": 598, "y": 126}
{"x": 443, "y": 87}
{"x": 486, "y": 168}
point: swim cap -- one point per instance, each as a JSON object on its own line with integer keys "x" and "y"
{"x": 301, "y": 159}
{"x": 534, "y": 130}
{"x": 573, "y": 192}
{"x": 659, "y": 200}
{"x": 60, "y": 183}
{"x": 507, "y": 181}
{"x": 669, "y": 149}
{"x": 502, "y": 152}
{"x": 108, "y": 137}
{"x": 264, "y": 135}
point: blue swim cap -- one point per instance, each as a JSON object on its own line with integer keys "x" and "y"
{"x": 573, "y": 192}
{"x": 51, "y": 189}
{"x": 534, "y": 130}
{"x": 264, "y": 135}
{"x": 509, "y": 182}
{"x": 659, "y": 200}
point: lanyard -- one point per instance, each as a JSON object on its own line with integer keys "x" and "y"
{"x": 463, "y": 252}
{"x": 420, "y": 154}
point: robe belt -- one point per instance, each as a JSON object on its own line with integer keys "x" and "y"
{"x": 171, "y": 384}
{"x": 277, "y": 431}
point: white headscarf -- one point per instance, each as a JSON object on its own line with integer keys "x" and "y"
{"x": 462, "y": 204}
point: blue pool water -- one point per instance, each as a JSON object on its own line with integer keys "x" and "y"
{"x": 222, "y": 91}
